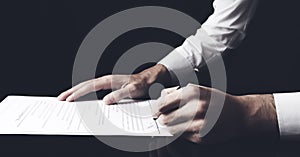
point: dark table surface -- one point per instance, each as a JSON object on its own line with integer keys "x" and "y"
{"x": 88, "y": 146}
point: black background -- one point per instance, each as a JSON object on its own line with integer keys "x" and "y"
{"x": 40, "y": 38}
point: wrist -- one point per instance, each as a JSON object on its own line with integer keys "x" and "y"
{"x": 260, "y": 115}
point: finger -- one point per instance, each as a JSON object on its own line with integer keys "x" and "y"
{"x": 188, "y": 112}
{"x": 117, "y": 95}
{"x": 87, "y": 87}
{"x": 176, "y": 99}
{"x": 168, "y": 102}
{"x": 64, "y": 95}
{"x": 68, "y": 92}
{"x": 188, "y": 127}
{"x": 111, "y": 82}
{"x": 159, "y": 104}
{"x": 81, "y": 92}
{"x": 167, "y": 91}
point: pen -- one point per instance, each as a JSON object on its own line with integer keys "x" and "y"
{"x": 156, "y": 125}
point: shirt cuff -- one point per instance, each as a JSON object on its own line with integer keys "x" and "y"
{"x": 288, "y": 114}
{"x": 179, "y": 66}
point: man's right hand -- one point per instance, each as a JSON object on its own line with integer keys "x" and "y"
{"x": 132, "y": 86}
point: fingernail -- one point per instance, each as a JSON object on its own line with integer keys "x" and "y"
{"x": 69, "y": 99}
{"x": 58, "y": 98}
{"x": 156, "y": 115}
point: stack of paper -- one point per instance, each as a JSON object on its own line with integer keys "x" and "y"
{"x": 47, "y": 115}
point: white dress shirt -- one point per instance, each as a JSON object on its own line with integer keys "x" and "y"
{"x": 225, "y": 29}
{"x": 288, "y": 114}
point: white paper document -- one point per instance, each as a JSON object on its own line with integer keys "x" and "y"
{"x": 47, "y": 115}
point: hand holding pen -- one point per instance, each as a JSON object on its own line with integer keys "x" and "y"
{"x": 158, "y": 110}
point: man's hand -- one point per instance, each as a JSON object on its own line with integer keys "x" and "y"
{"x": 183, "y": 110}
{"x": 132, "y": 86}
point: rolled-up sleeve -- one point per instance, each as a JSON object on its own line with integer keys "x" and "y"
{"x": 288, "y": 114}
{"x": 224, "y": 29}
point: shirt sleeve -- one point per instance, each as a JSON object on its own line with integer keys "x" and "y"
{"x": 224, "y": 29}
{"x": 288, "y": 114}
